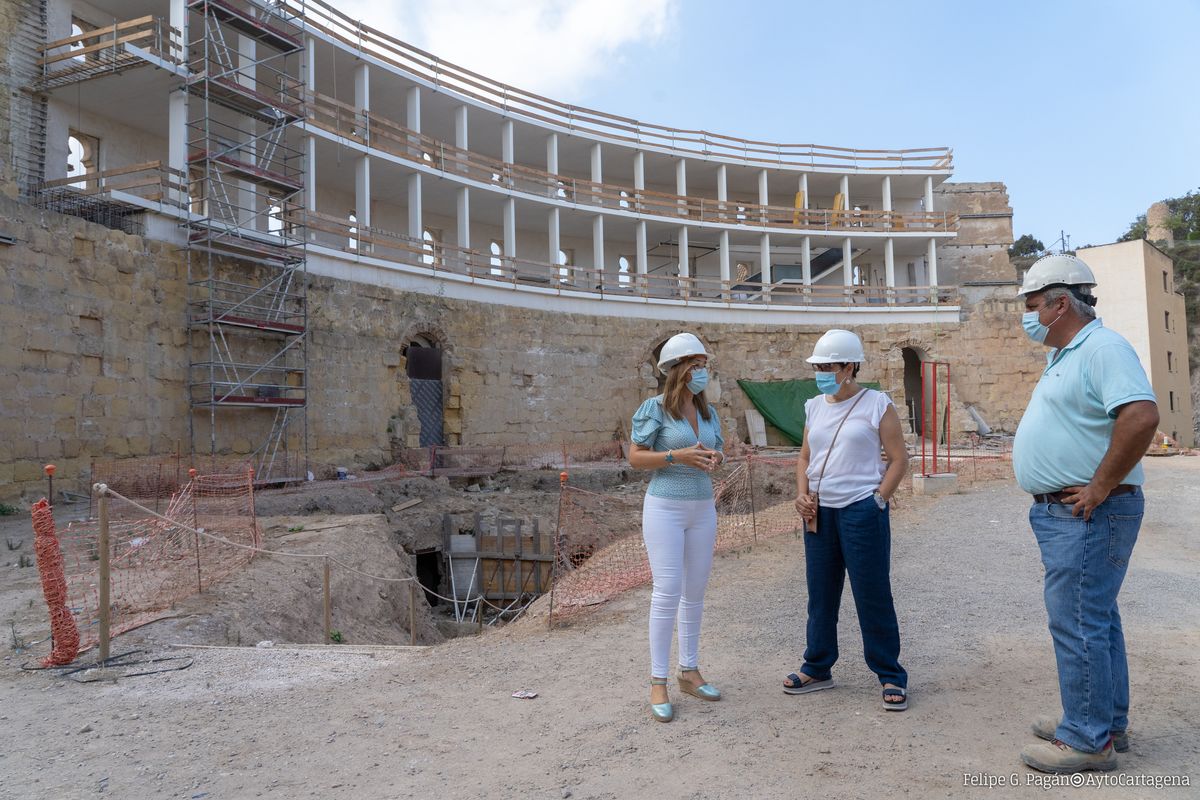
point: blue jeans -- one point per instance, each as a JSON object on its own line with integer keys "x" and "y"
{"x": 1085, "y": 564}
{"x": 855, "y": 540}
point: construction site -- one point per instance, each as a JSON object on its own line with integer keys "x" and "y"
{"x": 319, "y": 361}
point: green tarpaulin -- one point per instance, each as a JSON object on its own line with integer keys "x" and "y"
{"x": 782, "y": 403}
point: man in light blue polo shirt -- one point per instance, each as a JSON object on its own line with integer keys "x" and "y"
{"x": 1077, "y": 451}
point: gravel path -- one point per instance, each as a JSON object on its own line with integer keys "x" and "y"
{"x": 439, "y": 723}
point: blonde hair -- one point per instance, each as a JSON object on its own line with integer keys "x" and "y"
{"x": 676, "y": 393}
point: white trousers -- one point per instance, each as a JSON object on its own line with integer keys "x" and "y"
{"x": 679, "y": 536}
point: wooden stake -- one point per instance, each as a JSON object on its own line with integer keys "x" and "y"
{"x": 105, "y": 580}
{"x": 412, "y": 612}
{"x": 328, "y": 609}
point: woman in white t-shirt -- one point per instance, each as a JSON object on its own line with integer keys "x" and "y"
{"x": 842, "y": 493}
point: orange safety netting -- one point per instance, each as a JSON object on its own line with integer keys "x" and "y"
{"x": 54, "y": 587}
{"x": 599, "y": 551}
{"x": 155, "y": 563}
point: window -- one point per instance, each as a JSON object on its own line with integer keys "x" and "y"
{"x": 742, "y": 270}
{"x": 1167, "y": 320}
{"x": 431, "y": 241}
{"x": 80, "y": 28}
{"x": 83, "y": 156}
{"x": 624, "y": 201}
{"x": 566, "y": 260}
{"x": 1170, "y": 361}
{"x": 496, "y": 262}
{"x": 623, "y": 276}
{"x": 1172, "y": 398}
{"x": 352, "y": 243}
{"x": 1166, "y": 281}
{"x": 274, "y": 216}
{"x": 560, "y": 191}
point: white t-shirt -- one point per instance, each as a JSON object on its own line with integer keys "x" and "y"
{"x": 856, "y": 466}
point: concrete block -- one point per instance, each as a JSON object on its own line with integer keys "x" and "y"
{"x": 936, "y": 484}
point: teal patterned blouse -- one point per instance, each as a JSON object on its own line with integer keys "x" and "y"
{"x": 655, "y": 429}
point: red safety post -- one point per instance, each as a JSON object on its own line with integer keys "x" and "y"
{"x": 924, "y": 430}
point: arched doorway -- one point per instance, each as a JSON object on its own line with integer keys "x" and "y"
{"x": 912, "y": 388}
{"x": 424, "y": 370}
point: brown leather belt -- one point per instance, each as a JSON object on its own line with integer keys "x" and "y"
{"x": 1060, "y": 497}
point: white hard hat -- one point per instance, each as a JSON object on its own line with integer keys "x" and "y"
{"x": 838, "y": 347}
{"x": 678, "y": 347}
{"x": 1060, "y": 269}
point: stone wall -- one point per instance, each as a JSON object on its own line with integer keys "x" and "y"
{"x": 94, "y": 360}
{"x": 980, "y": 251}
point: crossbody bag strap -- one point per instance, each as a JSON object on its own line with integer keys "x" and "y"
{"x": 829, "y": 452}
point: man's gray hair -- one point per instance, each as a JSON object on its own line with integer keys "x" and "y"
{"x": 1084, "y": 310}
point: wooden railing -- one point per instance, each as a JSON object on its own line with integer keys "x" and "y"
{"x": 151, "y": 180}
{"x": 83, "y": 55}
{"x": 339, "y": 234}
{"x": 320, "y": 16}
{"x": 385, "y": 135}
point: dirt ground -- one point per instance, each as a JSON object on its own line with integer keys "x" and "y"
{"x": 440, "y": 722}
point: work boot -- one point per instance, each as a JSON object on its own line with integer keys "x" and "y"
{"x": 1062, "y": 759}
{"x": 1045, "y": 725}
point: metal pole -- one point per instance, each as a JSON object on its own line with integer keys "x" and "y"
{"x": 924, "y": 429}
{"x": 753, "y": 513}
{"x": 562, "y": 485}
{"x": 196, "y": 536}
{"x": 49, "y": 469}
{"x": 327, "y": 605}
{"x": 105, "y": 576}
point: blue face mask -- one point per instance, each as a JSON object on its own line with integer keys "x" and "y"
{"x": 1033, "y": 326}
{"x": 828, "y": 383}
{"x": 698, "y": 381}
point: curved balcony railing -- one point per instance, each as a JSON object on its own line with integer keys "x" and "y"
{"x": 341, "y": 235}
{"x": 387, "y": 136}
{"x": 322, "y": 17}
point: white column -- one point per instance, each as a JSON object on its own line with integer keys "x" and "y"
{"x": 506, "y": 141}
{"x": 685, "y": 268}
{"x": 249, "y": 202}
{"x": 722, "y": 191}
{"x": 887, "y": 192}
{"x": 177, "y": 104}
{"x": 598, "y": 248}
{"x": 555, "y": 243}
{"x": 681, "y": 184}
{"x": 552, "y": 153}
{"x": 177, "y": 134}
{"x": 889, "y": 263}
{"x": 726, "y": 272}
{"x": 463, "y": 211}
{"x": 931, "y": 263}
{"x": 461, "y": 135}
{"x": 640, "y": 246}
{"x": 804, "y": 190}
{"x": 847, "y": 265}
{"x": 510, "y": 227}
{"x": 806, "y": 259}
{"x": 310, "y": 176}
{"x": 413, "y": 118}
{"x": 416, "y": 225}
{"x": 310, "y": 62}
{"x": 639, "y": 179}
{"x": 362, "y": 87}
{"x": 597, "y": 169}
{"x": 844, "y": 189}
{"x": 764, "y": 257}
{"x": 362, "y": 191}
{"x": 762, "y": 195}
{"x": 929, "y": 194}
{"x": 464, "y": 217}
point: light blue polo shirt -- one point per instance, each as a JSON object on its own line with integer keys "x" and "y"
{"x": 659, "y": 431}
{"x": 1067, "y": 428}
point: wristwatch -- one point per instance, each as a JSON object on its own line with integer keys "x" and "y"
{"x": 879, "y": 501}
{"x": 670, "y": 458}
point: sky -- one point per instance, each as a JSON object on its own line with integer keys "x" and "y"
{"x": 1087, "y": 111}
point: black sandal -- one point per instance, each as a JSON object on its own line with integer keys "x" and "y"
{"x": 895, "y": 705}
{"x": 801, "y": 686}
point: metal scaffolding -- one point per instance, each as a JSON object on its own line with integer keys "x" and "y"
{"x": 247, "y": 311}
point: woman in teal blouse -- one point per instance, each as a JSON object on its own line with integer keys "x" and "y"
{"x": 677, "y": 434}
